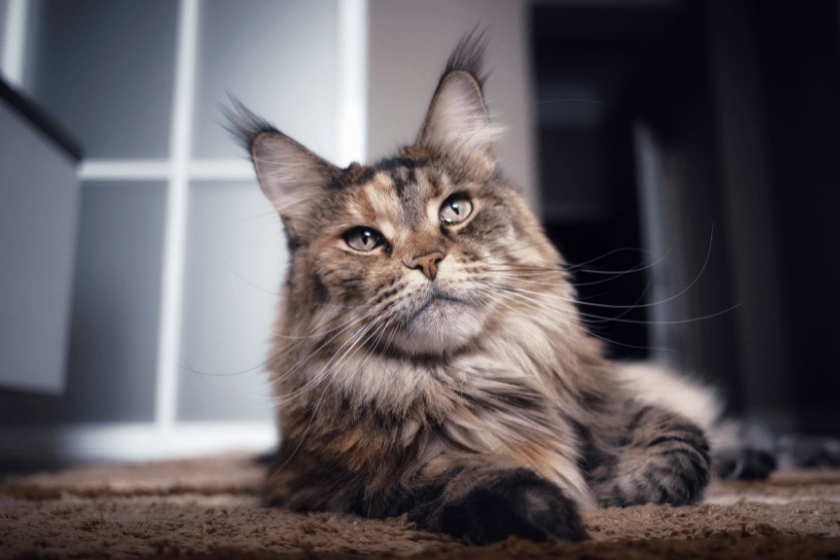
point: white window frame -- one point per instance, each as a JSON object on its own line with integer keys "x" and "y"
{"x": 165, "y": 436}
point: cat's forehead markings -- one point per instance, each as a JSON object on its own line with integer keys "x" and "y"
{"x": 418, "y": 188}
{"x": 436, "y": 183}
{"x": 382, "y": 202}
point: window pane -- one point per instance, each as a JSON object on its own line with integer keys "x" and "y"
{"x": 236, "y": 255}
{"x": 104, "y": 69}
{"x": 279, "y": 59}
{"x": 114, "y": 320}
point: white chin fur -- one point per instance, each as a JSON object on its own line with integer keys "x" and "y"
{"x": 442, "y": 326}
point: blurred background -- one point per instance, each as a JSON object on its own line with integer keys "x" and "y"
{"x": 683, "y": 155}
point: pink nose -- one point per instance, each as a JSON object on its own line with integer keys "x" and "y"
{"x": 427, "y": 263}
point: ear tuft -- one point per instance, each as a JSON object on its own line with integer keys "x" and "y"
{"x": 293, "y": 179}
{"x": 457, "y": 124}
{"x": 468, "y": 56}
{"x": 243, "y": 125}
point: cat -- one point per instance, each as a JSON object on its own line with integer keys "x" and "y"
{"x": 428, "y": 358}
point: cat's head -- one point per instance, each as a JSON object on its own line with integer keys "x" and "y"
{"x": 419, "y": 253}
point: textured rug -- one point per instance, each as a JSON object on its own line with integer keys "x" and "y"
{"x": 208, "y": 508}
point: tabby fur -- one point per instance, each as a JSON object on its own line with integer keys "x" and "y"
{"x": 428, "y": 358}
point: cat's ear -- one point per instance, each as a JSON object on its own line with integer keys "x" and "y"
{"x": 293, "y": 178}
{"x": 457, "y": 124}
{"x": 289, "y": 174}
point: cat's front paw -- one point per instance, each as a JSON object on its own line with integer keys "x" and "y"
{"x": 517, "y": 503}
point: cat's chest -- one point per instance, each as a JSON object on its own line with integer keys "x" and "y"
{"x": 473, "y": 381}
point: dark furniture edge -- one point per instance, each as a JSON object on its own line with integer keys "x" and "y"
{"x": 40, "y": 120}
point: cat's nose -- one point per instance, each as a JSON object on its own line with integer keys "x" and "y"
{"x": 427, "y": 263}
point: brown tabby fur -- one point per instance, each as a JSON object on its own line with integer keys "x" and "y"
{"x": 446, "y": 373}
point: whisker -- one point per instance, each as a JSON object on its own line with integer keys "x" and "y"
{"x": 532, "y": 305}
{"x": 601, "y": 318}
{"x": 355, "y": 342}
{"x": 375, "y": 311}
{"x": 320, "y": 347}
{"x": 633, "y": 306}
{"x": 579, "y": 266}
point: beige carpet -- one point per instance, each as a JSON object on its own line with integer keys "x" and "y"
{"x": 208, "y": 508}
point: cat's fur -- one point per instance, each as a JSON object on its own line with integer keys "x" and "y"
{"x": 440, "y": 368}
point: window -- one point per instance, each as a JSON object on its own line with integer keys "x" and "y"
{"x": 179, "y": 256}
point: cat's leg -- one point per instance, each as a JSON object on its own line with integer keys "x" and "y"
{"x": 738, "y": 450}
{"x": 660, "y": 457}
{"x": 482, "y": 505}
{"x": 479, "y": 499}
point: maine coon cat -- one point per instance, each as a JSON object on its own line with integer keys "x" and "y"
{"x": 428, "y": 357}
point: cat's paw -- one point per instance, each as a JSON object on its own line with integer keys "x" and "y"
{"x": 672, "y": 467}
{"x": 745, "y": 464}
{"x": 518, "y": 503}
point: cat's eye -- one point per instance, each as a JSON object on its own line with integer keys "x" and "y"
{"x": 363, "y": 238}
{"x": 456, "y": 209}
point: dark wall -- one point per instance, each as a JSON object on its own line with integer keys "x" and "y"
{"x": 799, "y": 64}
{"x": 743, "y": 101}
